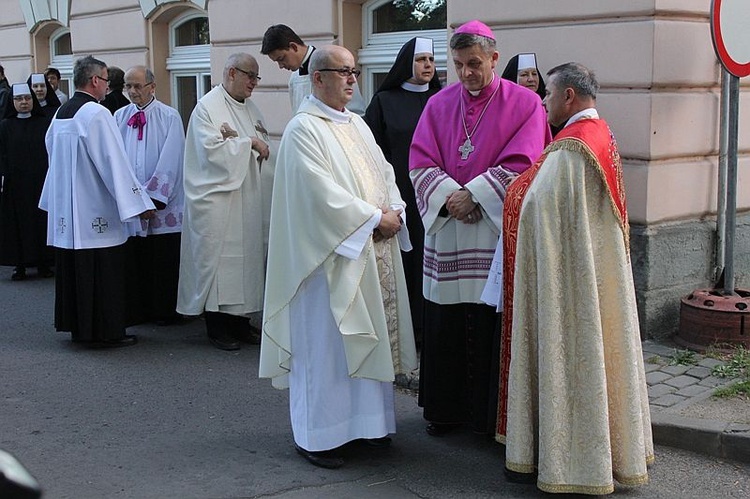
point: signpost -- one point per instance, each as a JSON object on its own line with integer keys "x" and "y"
{"x": 712, "y": 317}
{"x": 731, "y": 40}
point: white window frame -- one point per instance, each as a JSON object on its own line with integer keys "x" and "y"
{"x": 63, "y": 63}
{"x": 191, "y": 60}
{"x": 380, "y": 49}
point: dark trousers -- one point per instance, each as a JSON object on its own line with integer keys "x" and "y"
{"x": 220, "y": 325}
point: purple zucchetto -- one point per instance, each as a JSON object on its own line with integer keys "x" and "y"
{"x": 475, "y": 27}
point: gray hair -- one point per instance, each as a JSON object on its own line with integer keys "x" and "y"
{"x": 466, "y": 40}
{"x": 576, "y": 76}
{"x": 236, "y": 59}
{"x": 85, "y": 68}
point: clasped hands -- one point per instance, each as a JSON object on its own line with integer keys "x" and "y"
{"x": 390, "y": 224}
{"x": 462, "y": 208}
{"x": 258, "y": 145}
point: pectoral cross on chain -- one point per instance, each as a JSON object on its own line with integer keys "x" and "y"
{"x": 466, "y": 149}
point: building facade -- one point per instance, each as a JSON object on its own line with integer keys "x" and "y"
{"x": 660, "y": 89}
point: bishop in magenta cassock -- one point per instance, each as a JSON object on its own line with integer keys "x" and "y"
{"x": 473, "y": 138}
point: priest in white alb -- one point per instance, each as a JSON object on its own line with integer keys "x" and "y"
{"x": 228, "y": 181}
{"x": 337, "y": 322}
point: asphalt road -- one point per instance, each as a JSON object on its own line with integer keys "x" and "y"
{"x": 174, "y": 417}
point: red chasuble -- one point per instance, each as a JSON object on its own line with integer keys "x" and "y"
{"x": 592, "y": 138}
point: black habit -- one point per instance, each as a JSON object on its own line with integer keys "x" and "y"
{"x": 23, "y": 166}
{"x": 392, "y": 116}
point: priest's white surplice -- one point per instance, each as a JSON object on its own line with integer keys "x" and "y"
{"x": 227, "y": 202}
{"x": 157, "y": 160}
{"x": 90, "y": 193}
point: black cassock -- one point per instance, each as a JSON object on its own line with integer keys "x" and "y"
{"x": 23, "y": 163}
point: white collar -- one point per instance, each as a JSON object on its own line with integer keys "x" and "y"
{"x": 333, "y": 114}
{"x": 231, "y": 100}
{"x": 308, "y": 53}
{"x": 23, "y": 116}
{"x": 414, "y": 87}
{"x": 586, "y": 113}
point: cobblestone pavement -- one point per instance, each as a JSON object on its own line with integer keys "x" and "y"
{"x": 671, "y": 385}
{"x": 679, "y": 393}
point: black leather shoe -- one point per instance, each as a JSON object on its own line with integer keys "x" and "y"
{"x": 322, "y": 459}
{"x": 19, "y": 274}
{"x": 516, "y": 477}
{"x": 378, "y": 443}
{"x": 125, "y": 341}
{"x": 44, "y": 272}
{"x": 249, "y": 335}
{"x": 172, "y": 320}
{"x": 224, "y": 342}
{"x": 440, "y": 429}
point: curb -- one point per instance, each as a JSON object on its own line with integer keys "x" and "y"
{"x": 705, "y": 436}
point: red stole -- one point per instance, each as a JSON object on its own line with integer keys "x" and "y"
{"x": 594, "y": 140}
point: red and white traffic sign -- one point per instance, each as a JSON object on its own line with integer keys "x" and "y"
{"x": 730, "y": 21}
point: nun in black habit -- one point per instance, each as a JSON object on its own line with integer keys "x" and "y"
{"x": 23, "y": 165}
{"x": 523, "y": 70}
{"x": 45, "y": 94}
{"x": 392, "y": 116}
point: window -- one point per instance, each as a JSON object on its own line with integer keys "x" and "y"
{"x": 192, "y": 32}
{"x": 61, "y": 58}
{"x": 388, "y": 24}
{"x": 188, "y": 89}
{"x": 409, "y": 15}
{"x": 189, "y": 61}
{"x": 62, "y": 45}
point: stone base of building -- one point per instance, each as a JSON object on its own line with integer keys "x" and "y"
{"x": 672, "y": 259}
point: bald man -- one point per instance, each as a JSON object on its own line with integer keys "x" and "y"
{"x": 337, "y": 324}
{"x": 228, "y": 180}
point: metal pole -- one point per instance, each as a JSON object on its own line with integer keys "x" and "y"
{"x": 721, "y": 195}
{"x": 731, "y": 219}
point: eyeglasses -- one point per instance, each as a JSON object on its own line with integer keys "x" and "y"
{"x": 22, "y": 97}
{"x": 250, "y": 74}
{"x": 101, "y": 78}
{"x": 136, "y": 86}
{"x": 345, "y": 72}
